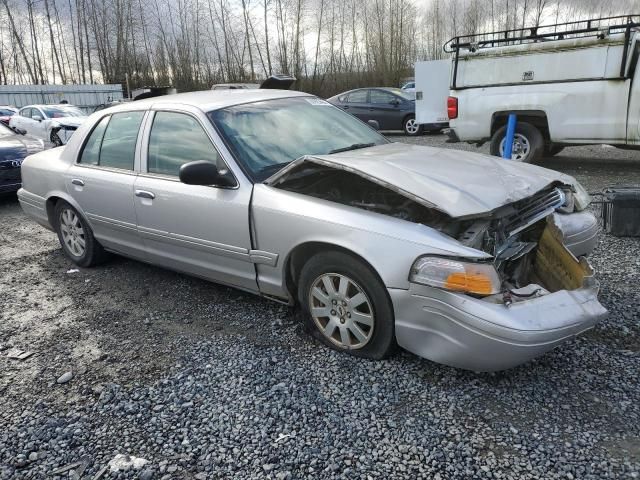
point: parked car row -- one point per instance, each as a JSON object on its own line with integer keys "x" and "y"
{"x": 14, "y": 148}
{"x": 390, "y": 108}
{"x": 51, "y": 123}
{"x": 381, "y": 244}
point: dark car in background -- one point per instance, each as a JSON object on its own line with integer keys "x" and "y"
{"x": 392, "y": 108}
{"x": 13, "y": 150}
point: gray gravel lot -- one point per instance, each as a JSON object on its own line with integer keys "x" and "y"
{"x": 204, "y": 381}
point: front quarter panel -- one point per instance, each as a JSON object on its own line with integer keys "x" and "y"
{"x": 284, "y": 220}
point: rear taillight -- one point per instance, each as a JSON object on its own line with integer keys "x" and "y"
{"x": 452, "y": 107}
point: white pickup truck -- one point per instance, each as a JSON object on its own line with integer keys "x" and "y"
{"x": 568, "y": 84}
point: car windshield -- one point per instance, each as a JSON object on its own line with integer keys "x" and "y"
{"x": 60, "y": 112}
{"x": 267, "y": 135}
{"x": 6, "y": 112}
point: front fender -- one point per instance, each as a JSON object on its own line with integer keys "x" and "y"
{"x": 282, "y": 221}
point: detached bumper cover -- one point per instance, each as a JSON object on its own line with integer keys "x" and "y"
{"x": 473, "y": 334}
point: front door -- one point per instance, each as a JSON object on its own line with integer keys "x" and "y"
{"x": 102, "y": 182}
{"x": 25, "y": 122}
{"x": 201, "y": 230}
{"x": 385, "y": 108}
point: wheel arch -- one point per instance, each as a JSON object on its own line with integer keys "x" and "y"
{"x": 537, "y": 118}
{"x": 297, "y": 257}
{"x": 50, "y": 205}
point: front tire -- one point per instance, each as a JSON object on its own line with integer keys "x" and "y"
{"x": 411, "y": 127}
{"x": 76, "y": 236}
{"x": 528, "y": 143}
{"x": 56, "y": 140}
{"x": 346, "y": 306}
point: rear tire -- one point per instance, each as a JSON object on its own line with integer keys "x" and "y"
{"x": 411, "y": 127}
{"x": 76, "y": 237}
{"x": 528, "y": 144}
{"x": 346, "y": 306}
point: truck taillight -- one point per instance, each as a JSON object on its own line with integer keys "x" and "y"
{"x": 452, "y": 107}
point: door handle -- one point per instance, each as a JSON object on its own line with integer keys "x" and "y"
{"x": 346, "y": 107}
{"x": 145, "y": 194}
{"x": 77, "y": 181}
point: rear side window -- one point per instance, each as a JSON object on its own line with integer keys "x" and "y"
{"x": 359, "y": 96}
{"x": 113, "y": 141}
{"x": 25, "y": 112}
{"x": 91, "y": 151}
{"x": 176, "y": 139}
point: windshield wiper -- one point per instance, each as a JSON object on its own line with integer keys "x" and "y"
{"x": 355, "y": 146}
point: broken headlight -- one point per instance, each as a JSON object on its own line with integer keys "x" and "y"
{"x": 456, "y": 275}
{"x": 581, "y": 197}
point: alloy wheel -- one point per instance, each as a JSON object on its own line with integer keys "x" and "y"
{"x": 341, "y": 310}
{"x": 72, "y": 232}
{"x": 411, "y": 126}
{"x": 520, "y": 149}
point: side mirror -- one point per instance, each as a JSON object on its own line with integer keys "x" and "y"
{"x": 202, "y": 172}
{"x": 395, "y": 101}
{"x": 37, "y": 118}
{"x": 374, "y": 124}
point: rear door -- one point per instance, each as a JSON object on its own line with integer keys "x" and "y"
{"x": 202, "y": 230}
{"x": 102, "y": 180}
{"x": 357, "y": 104}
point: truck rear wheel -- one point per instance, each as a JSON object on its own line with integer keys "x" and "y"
{"x": 528, "y": 144}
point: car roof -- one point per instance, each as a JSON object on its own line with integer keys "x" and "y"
{"x": 208, "y": 100}
{"x": 44, "y": 105}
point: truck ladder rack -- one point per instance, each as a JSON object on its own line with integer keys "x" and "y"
{"x": 596, "y": 27}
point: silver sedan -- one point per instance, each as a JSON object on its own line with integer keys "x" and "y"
{"x": 464, "y": 259}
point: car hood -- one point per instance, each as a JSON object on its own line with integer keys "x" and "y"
{"x": 458, "y": 183}
{"x": 70, "y": 121}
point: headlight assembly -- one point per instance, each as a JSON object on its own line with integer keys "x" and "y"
{"x": 456, "y": 275}
{"x": 581, "y": 197}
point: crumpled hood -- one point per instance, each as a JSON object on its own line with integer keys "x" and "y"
{"x": 70, "y": 121}
{"x": 456, "y": 182}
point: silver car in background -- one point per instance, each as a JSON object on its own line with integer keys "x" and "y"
{"x": 461, "y": 258}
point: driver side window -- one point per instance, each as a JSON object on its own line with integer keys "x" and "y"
{"x": 176, "y": 139}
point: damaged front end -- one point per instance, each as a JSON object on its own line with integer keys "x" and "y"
{"x": 525, "y": 238}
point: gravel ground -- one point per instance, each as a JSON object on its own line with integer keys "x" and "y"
{"x": 202, "y": 381}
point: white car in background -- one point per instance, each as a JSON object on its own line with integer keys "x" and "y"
{"x": 409, "y": 87}
{"x": 51, "y": 123}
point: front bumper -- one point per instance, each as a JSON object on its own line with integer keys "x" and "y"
{"x": 465, "y": 332}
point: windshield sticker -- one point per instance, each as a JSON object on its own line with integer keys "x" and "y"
{"x": 317, "y": 101}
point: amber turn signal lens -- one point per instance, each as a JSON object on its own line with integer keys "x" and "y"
{"x": 470, "y": 283}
